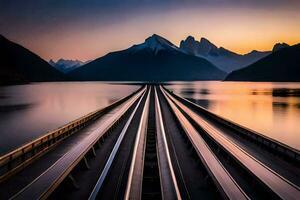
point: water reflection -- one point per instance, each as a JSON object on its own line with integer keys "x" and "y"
{"x": 10, "y": 108}
{"x": 286, "y": 92}
{"x": 269, "y": 108}
{"x": 27, "y": 111}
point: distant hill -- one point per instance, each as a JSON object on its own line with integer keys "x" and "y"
{"x": 19, "y": 65}
{"x": 222, "y": 58}
{"x": 279, "y": 46}
{"x": 156, "y": 59}
{"x": 66, "y": 66}
{"x": 281, "y": 65}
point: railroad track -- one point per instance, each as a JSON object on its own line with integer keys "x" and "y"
{"x": 48, "y": 181}
{"x": 115, "y": 167}
{"x": 275, "y": 147}
{"x": 226, "y": 185}
{"x": 16, "y": 160}
{"x": 277, "y": 184}
{"x": 151, "y": 180}
{"x": 155, "y": 145}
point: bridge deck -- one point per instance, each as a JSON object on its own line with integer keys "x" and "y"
{"x": 281, "y": 186}
{"x": 135, "y": 175}
{"x": 286, "y": 168}
{"x": 168, "y": 180}
{"x": 26, "y": 176}
{"x": 222, "y": 178}
{"x": 109, "y": 184}
{"x": 155, "y": 144}
{"x": 47, "y": 181}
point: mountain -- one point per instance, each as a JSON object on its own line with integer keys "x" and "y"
{"x": 156, "y": 59}
{"x": 66, "y": 66}
{"x": 221, "y": 57}
{"x": 279, "y": 46}
{"x": 281, "y": 65}
{"x": 19, "y": 65}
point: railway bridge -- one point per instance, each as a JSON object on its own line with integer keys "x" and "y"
{"x": 152, "y": 144}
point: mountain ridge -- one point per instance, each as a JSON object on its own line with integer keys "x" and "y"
{"x": 221, "y": 57}
{"x": 20, "y": 65}
{"x": 67, "y": 65}
{"x": 281, "y": 66}
{"x": 157, "y": 59}
{"x": 279, "y": 46}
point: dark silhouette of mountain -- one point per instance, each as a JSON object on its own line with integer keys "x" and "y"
{"x": 221, "y": 57}
{"x": 281, "y": 65}
{"x": 156, "y": 59}
{"x": 279, "y": 46}
{"x": 19, "y": 65}
{"x": 66, "y": 66}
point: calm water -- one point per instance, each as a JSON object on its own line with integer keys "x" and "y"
{"x": 28, "y": 111}
{"x": 272, "y": 109}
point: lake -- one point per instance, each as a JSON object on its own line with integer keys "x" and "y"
{"x": 29, "y": 111}
{"x": 272, "y": 109}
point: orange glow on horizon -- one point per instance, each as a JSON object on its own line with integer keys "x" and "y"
{"x": 239, "y": 30}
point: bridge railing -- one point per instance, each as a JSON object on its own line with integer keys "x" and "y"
{"x": 269, "y": 143}
{"x": 19, "y": 158}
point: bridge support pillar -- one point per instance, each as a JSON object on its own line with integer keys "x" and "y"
{"x": 93, "y": 151}
{"x": 86, "y": 164}
{"x": 73, "y": 181}
{"x": 99, "y": 144}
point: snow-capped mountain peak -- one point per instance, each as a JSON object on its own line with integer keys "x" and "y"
{"x": 66, "y": 66}
{"x": 157, "y": 43}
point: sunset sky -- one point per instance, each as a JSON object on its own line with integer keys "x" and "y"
{"x": 87, "y": 29}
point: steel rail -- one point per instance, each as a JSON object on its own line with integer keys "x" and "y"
{"x": 113, "y": 154}
{"x": 274, "y": 181}
{"x": 169, "y": 186}
{"x": 48, "y": 181}
{"x": 135, "y": 177}
{"x": 225, "y": 183}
